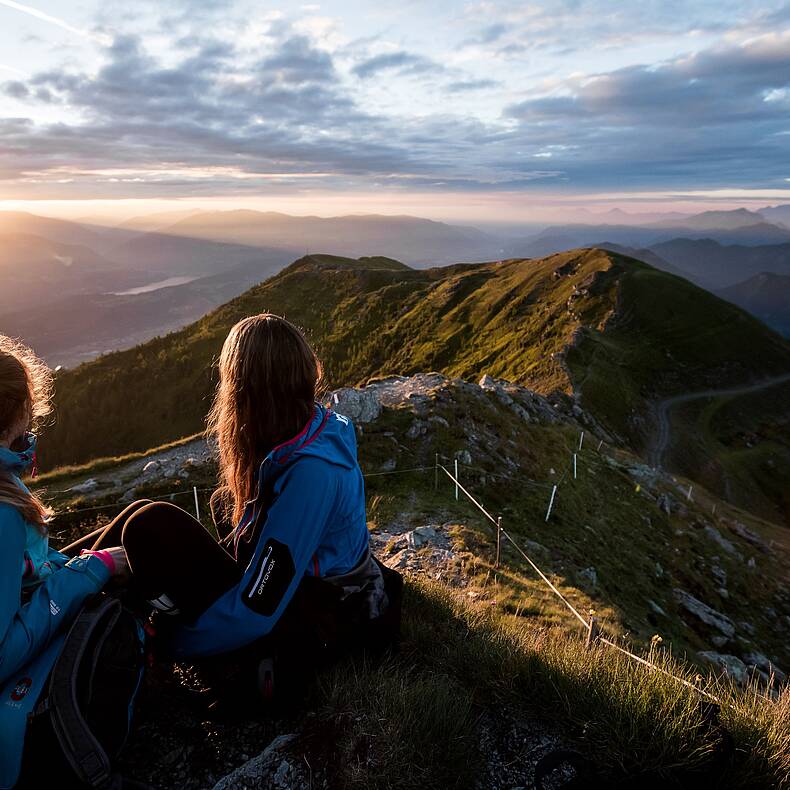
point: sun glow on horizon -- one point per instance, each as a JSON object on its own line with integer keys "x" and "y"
{"x": 487, "y": 208}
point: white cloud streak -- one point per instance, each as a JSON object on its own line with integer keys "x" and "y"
{"x": 13, "y": 70}
{"x": 53, "y": 20}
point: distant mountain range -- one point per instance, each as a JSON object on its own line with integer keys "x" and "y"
{"x": 714, "y": 265}
{"x": 617, "y": 333}
{"x": 57, "y": 265}
{"x": 778, "y": 214}
{"x": 419, "y": 242}
{"x": 562, "y": 237}
{"x": 766, "y": 296}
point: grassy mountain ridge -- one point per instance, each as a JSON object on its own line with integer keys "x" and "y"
{"x": 612, "y": 329}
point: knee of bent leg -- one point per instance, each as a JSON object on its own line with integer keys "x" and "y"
{"x": 152, "y": 519}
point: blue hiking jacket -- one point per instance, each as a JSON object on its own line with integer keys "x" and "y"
{"x": 314, "y": 525}
{"x": 32, "y": 631}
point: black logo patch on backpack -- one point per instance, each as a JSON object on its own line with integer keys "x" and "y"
{"x": 274, "y": 572}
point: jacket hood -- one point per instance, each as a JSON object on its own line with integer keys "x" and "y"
{"x": 327, "y": 435}
{"x": 19, "y": 461}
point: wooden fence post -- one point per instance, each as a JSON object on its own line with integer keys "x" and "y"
{"x": 592, "y": 632}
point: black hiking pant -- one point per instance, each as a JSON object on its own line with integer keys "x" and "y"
{"x": 170, "y": 552}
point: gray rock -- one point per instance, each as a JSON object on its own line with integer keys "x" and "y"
{"x": 91, "y": 484}
{"x": 588, "y": 577}
{"x": 533, "y": 547}
{"x": 656, "y": 608}
{"x": 749, "y": 536}
{"x": 761, "y": 662}
{"x": 666, "y": 503}
{"x": 747, "y": 627}
{"x": 389, "y": 465}
{"x": 720, "y": 575}
{"x": 464, "y": 457}
{"x": 420, "y": 536}
{"x": 151, "y": 467}
{"x": 718, "y": 538}
{"x": 400, "y": 560}
{"x": 416, "y": 429}
{"x": 128, "y": 496}
{"x": 359, "y": 405}
{"x": 704, "y": 613}
{"x": 272, "y": 769}
{"x": 731, "y": 665}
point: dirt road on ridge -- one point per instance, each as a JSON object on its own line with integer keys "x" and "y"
{"x": 663, "y": 408}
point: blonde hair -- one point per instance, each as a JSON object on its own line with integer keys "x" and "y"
{"x": 269, "y": 378}
{"x": 25, "y": 400}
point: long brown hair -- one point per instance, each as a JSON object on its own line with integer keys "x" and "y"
{"x": 25, "y": 400}
{"x": 269, "y": 379}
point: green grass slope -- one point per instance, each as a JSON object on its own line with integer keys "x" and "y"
{"x": 618, "y": 332}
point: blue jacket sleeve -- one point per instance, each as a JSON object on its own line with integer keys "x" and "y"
{"x": 26, "y": 630}
{"x": 294, "y": 524}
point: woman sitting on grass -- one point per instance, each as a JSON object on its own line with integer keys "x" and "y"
{"x": 293, "y": 575}
{"x": 41, "y": 590}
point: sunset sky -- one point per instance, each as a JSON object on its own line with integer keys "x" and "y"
{"x": 463, "y": 111}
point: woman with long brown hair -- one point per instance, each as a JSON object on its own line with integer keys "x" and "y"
{"x": 293, "y": 566}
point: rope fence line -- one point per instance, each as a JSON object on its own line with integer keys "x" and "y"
{"x": 498, "y": 524}
{"x": 399, "y": 471}
{"x": 592, "y": 625}
{"x": 458, "y": 485}
{"x": 663, "y": 671}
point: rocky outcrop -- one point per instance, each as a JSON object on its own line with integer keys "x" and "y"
{"x": 364, "y": 404}
{"x": 750, "y": 537}
{"x": 732, "y": 666}
{"x": 359, "y": 405}
{"x": 273, "y": 769}
{"x": 704, "y": 615}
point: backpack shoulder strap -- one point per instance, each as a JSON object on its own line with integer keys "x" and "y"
{"x": 81, "y": 748}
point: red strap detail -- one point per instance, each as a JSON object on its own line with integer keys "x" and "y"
{"x": 298, "y": 435}
{"x": 315, "y": 566}
{"x": 311, "y": 439}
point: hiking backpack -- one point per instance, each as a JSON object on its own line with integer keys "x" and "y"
{"x": 83, "y": 717}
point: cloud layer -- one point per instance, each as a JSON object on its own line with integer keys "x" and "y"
{"x": 299, "y": 106}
